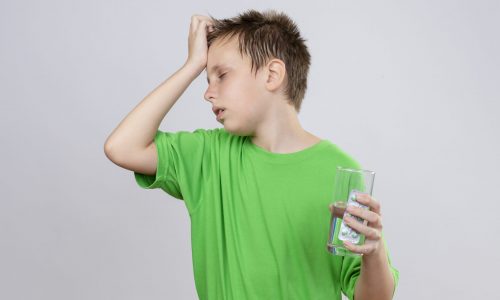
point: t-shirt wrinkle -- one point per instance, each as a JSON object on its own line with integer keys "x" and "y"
{"x": 259, "y": 220}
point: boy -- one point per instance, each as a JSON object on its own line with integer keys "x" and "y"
{"x": 257, "y": 190}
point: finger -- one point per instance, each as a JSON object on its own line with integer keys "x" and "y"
{"x": 368, "y": 200}
{"x": 195, "y": 25}
{"x": 370, "y": 216}
{"x": 361, "y": 249}
{"x": 199, "y": 20}
{"x": 206, "y": 19}
{"x": 370, "y": 232}
{"x": 202, "y": 24}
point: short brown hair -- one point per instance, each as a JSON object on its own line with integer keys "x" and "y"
{"x": 266, "y": 35}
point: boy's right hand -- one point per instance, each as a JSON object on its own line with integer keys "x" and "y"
{"x": 197, "y": 41}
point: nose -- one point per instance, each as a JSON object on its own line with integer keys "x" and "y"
{"x": 209, "y": 93}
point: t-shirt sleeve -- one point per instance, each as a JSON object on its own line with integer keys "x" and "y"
{"x": 351, "y": 265}
{"x": 183, "y": 158}
{"x": 351, "y": 269}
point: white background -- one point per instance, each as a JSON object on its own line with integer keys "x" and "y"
{"x": 409, "y": 88}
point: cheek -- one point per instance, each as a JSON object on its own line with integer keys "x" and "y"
{"x": 244, "y": 97}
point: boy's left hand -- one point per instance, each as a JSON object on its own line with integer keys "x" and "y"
{"x": 372, "y": 231}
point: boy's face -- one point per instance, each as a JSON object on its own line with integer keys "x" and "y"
{"x": 233, "y": 87}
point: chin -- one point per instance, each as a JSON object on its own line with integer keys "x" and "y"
{"x": 235, "y": 130}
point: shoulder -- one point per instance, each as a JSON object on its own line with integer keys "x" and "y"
{"x": 339, "y": 156}
{"x": 228, "y": 137}
{"x": 211, "y": 136}
{"x": 205, "y": 133}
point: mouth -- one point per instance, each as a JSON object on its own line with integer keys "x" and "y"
{"x": 219, "y": 112}
{"x": 217, "y": 109}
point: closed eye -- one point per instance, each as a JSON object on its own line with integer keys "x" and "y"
{"x": 220, "y": 77}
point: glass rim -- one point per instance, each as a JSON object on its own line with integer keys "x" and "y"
{"x": 356, "y": 170}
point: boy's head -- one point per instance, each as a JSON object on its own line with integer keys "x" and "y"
{"x": 267, "y": 46}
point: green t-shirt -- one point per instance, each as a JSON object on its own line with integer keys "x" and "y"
{"x": 259, "y": 220}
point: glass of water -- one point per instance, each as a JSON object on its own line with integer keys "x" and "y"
{"x": 348, "y": 183}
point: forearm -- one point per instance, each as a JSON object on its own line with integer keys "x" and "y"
{"x": 137, "y": 130}
{"x": 375, "y": 280}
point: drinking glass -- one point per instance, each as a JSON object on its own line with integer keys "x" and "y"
{"x": 348, "y": 183}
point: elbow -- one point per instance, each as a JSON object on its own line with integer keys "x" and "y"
{"x": 109, "y": 151}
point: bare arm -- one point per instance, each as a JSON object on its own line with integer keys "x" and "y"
{"x": 375, "y": 280}
{"x": 130, "y": 145}
{"x": 137, "y": 130}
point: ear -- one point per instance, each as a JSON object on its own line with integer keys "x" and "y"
{"x": 276, "y": 74}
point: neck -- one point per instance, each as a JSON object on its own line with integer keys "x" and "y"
{"x": 281, "y": 132}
